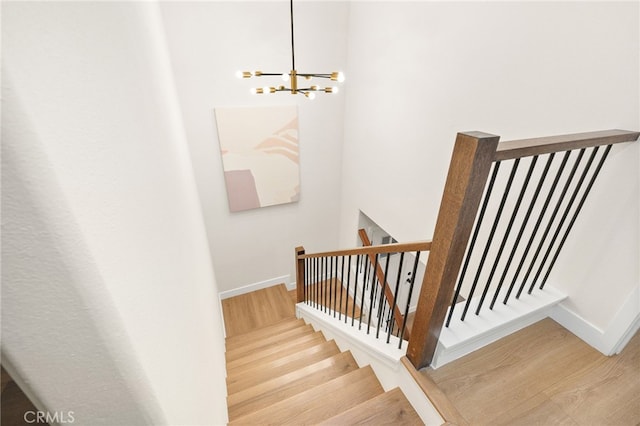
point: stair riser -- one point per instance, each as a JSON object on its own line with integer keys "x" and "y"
{"x": 274, "y": 391}
{"x": 254, "y": 376}
{"x": 280, "y": 327}
{"x": 320, "y": 402}
{"x": 268, "y": 341}
{"x": 255, "y": 359}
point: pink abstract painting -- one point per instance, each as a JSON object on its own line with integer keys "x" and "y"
{"x": 260, "y": 155}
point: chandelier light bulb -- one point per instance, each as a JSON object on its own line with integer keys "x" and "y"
{"x": 310, "y": 95}
{"x": 285, "y": 77}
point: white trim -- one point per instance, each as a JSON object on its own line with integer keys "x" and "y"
{"x": 620, "y": 330}
{"x": 254, "y": 287}
{"x": 386, "y": 353}
{"x": 463, "y": 337}
{"x": 631, "y": 331}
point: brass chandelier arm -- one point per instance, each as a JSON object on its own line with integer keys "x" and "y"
{"x": 292, "y": 76}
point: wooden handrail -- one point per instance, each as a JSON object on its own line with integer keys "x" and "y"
{"x": 384, "y": 248}
{"x": 509, "y": 150}
{"x": 382, "y": 280}
{"x": 473, "y": 155}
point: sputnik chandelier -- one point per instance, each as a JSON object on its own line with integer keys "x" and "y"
{"x": 292, "y": 77}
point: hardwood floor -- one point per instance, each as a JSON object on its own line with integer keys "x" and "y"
{"x": 256, "y": 310}
{"x": 544, "y": 375}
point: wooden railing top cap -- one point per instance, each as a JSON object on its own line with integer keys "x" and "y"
{"x": 537, "y": 146}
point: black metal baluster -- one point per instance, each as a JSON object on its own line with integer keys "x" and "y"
{"x": 383, "y": 298}
{"x": 346, "y": 302}
{"x": 507, "y": 232}
{"x": 333, "y": 288}
{"x": 406, "y": 309}
{"x": 323, "y": 287}
{"x": 565, "y": 214}
{"x": 534, "y": 232}
{"x": 476, "y": 230}
{"x": 522, "y": 228}
{"x": 341, "y": 289}
{"x": 327, "y": 285}
{"x": 314, "y": 289}
{"x": 395, "y": 297}
{"x": 490, "y": 239}
{"x": 551, "y": 220}
{"x": 335, "y": 285}
{"x": 320, "y": 278}
{"x": 355, "y": 291}
{"x": 305, "y": 280}
{"x": 575, "y": 214}
{"x": 318, "y": 281}
{"x": 373, "y": 291}
{"x": 365, "y": 285}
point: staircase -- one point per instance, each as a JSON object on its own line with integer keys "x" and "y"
{"x": 287, "y": 373}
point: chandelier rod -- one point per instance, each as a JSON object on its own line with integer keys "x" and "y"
{"x": 293, "y": 55}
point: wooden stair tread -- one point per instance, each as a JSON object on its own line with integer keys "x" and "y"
{"x": 254, "y": 359}
{"x": 253, "y": 376}
{"x": 267, "y": 342}
{"x": 320, "y": 402}
{"x": 278, "y": 327}
{"x": 391, "y": 407}
{"x": 279, "y": 388}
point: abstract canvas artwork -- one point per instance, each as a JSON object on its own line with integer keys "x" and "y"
{"x": 260, "y": 156}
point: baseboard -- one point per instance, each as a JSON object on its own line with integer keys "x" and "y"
{"x": 291, "y": 286}
{"x": 624, "y": 325}
{"x": 256, "y": 286}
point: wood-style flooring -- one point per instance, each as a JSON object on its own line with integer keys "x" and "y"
{"x": 544, "y": 375}
{"x": 257, "y": 309}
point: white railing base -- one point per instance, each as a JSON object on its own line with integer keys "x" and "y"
{"x": 463, "y": 337}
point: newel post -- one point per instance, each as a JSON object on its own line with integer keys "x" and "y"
{"x": 299, "y": 275}
{"x": 471, "y": 161}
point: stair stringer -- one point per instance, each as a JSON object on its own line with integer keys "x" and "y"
{"x": 383, "y": 358}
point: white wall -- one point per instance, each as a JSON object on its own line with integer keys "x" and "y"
{"x": 422, "y": 71}
{"x": 209, "y": 42}
{"x": 108, "y": 294}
